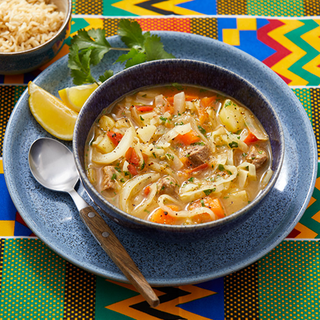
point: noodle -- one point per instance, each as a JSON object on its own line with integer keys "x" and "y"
{"x": 26, "y": 24}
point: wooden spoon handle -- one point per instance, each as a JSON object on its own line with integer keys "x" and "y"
{"x": 113, "y": 247}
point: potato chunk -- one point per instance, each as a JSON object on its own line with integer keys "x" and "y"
{"x": 232, "y": 116}
{"x": 106, "y": 123}
{"x": 145, "y": 133}
{"x": 103, "y": 144}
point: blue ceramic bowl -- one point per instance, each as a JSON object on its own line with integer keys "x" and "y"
{"x": 28, "y": 60}
{"x": 184, "y": 72}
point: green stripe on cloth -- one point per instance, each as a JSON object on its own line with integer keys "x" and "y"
{"x": 9, "y": 96}
{"x": 303, "y": 94}
{"x": 32, "y": 281}
{"x": 285, "y": 8}
{"x": 289, "y": 282}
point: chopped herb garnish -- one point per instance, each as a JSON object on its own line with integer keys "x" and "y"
{"x": 169, "y": 156}
{"x": 141, "y": 118}
{"x": 202, "y": 203}
{"x": 127, "y": 173}
{"x": 201, "y": 143}
{"x": 228, "y": 103}
{"x": 191, "y": 179}
{"x": 154, "y": 154}
{"x": 177, "y": 86}
{"x": 208, "y": 191}
{"x": 233, "y": 144}
{"x": 163, "y": 119}
{"x": 114, "y": 177}
{"x": 122, "y": 180}
{"x": 202, "y": 130}
{"x": 221, "y": 167}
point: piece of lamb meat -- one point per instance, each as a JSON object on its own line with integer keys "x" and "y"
{"x": 108, "y": 181}
{"x": 198, "y": 155}
{"x": 167, "y": 185}
{"x": 257, "y": 156}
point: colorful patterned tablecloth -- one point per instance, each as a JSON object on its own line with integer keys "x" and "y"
{"x": 36, "y": 283}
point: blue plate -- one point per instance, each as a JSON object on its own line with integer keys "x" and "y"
{"x": 55, "y": 220}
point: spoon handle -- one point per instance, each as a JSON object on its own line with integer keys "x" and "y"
{"x": 113, "y": 247}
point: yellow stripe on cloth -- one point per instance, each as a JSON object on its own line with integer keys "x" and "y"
{"x": 7, "y": 228}
{"x": 282, "y": 67}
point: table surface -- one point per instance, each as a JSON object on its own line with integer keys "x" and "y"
{"x": 36, "y": 283}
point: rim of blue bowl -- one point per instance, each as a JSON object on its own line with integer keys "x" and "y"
{"x": 176, "y": 228}
{"x": 63, "y": 26}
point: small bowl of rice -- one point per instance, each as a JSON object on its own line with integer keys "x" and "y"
{"x": 32, "y": 32}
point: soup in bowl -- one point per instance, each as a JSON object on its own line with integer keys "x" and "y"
{"x": 177, "y": 146}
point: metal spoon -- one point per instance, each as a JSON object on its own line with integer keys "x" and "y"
{"x": 52, "y": 165}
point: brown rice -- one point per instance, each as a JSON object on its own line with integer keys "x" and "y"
{"x": 26, "y": 24}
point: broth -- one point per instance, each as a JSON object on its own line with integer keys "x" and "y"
{"x": 178, "y": 154}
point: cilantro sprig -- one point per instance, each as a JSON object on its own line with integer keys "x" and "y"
{"x": 89, "y": 47}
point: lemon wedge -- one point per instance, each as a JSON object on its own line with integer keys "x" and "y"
{"x": 75, "y": 97}
{"x": 51, "y": 113}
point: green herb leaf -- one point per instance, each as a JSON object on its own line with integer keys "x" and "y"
{"x": 202, "y": 130}
{"x": 201, "y": 143}
{"x": 131, "y": 34}
{"x": 79, "y": 64}
{"x": 169, "y": 156}
{"x": 154, "y": 49}
{"x": 89, "y": 47}
{"x": 106, "y": 75}
{"x": 208, "y": 191}
{"x": 163, "y": 118}
{"x": 233, "y": 144}
{"x": 132, "y": 58}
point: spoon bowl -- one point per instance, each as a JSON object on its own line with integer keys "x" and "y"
{"x": 52, "y": 165}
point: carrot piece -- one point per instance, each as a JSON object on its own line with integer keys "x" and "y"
{"x": 115, "y": 137}
{"x": 207, "y": 101}
{"x": 144, "y": 108}
{"x": 170, "y": 99}
{"x": 202, "y": 218}
{"x": 132, "y": 169}
{"x": 202, "y": 108}
{"x": 188, "y": 138}
{"x": 198, "y": 168}
{"x": 216, "y": 207}
{"x": 147, "y": 190}
{"x": 135, "y": 159}
{"x": 128, "y": 154}
{"x": 132, "y": 157}
{"x": 160, "y": 216}
{"x": 190, "y": 97}
{"x": 209, "y": 202}
{"x": 250, "y": 138}
{"x": 168, "y": 106}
